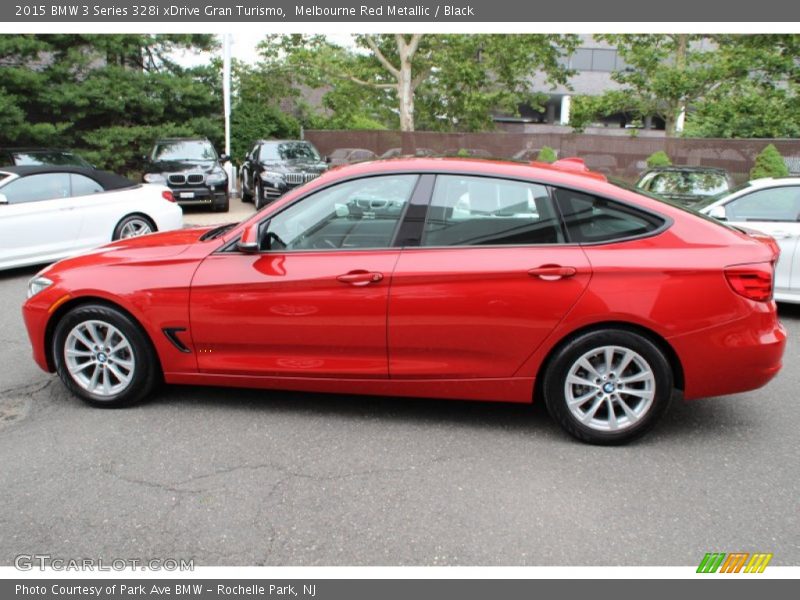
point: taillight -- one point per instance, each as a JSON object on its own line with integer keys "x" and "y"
{"x": 168, "y": 196}
{"x": 751, "y": 281}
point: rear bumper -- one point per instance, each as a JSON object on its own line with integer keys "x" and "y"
{"x": 733, "y": 357}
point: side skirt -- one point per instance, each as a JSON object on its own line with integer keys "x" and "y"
{"x": 514, "y": 389}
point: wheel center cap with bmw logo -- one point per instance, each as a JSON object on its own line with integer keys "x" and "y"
{"x": 608, "y": 387}
{"x": 101, "y": 357}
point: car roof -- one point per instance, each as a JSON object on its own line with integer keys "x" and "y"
{"x": 570, "y": 173}
{"x": 182, "y": 139}
{"x": 109, "y": 181}
{"x": 774, "y": 181}
{"x": 264, "y": 141}
{"x": 35, "y": 149}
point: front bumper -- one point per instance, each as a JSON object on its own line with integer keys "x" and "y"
{"x": 199, "y": 195}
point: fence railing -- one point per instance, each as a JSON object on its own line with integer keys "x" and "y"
{"x": 622, "y": 156}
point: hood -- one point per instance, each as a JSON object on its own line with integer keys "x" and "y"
{"x": 144, "y": 250}
{"x": 295, "y": 165}
{"x": 180, "y": 166}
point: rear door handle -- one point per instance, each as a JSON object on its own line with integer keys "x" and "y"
{"x": 780, "y": 235}
{"x": 360, "y": 278}
{"x": 552, "y": 272}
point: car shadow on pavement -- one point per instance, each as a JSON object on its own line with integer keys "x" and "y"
{"x": 520, "y": 417}
{"x": 706, "y": 419}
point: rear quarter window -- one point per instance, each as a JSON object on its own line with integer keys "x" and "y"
{"x": 589, "y": 219}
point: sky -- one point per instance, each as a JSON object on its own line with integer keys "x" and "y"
{"x": 244, "y": 49}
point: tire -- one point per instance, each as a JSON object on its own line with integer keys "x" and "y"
{"x": 614, "y": 406}
{"x": 84, "y": 343}
{"x": 223, "y": 206}
{"x": 246, "y": 196}
{"x": 133, "y": 226}
{"x": 258, "y": 195}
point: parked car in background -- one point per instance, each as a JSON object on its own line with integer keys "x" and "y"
{"x": 425, "y": 277}
{"x": 346, "y": 156}
{"x": 685, "y": 185}
{"x": 48, "y": 213}
{"x": 398, "y": 152}
{"x": 273, "y": 167}
{"x": 773, "y": 207}
{"x": 31, "y": 157}
{"x": 192, "y": 169}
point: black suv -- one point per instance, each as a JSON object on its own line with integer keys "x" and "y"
{"x": 192, "y": 169}
{"x": 273, "y": 167}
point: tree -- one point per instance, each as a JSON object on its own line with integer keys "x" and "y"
{"x": 658, "y": 159}
{"x": 107, "y": 96}
{"x": 547, "y": 155}
{"x": 664, "y": 74}
{"x": 256, "y": 110}
{"x": 730, "y": 85}
{"x": 439, "y": 81}
{"x": 759, "y": 95}
{"x": 769, "y": 163}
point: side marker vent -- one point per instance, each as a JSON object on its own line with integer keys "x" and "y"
{"x": 172, "y": 336}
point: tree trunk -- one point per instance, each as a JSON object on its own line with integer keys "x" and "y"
{"x": 675, "y": 108}
{"x": 405, "y": 84}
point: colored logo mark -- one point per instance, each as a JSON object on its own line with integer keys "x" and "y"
{"x": 734, "y": 562}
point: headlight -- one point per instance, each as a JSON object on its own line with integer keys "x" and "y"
{"x": 271, "y": 175}
{"x": 154, "y": 178}
{"x": 216, "y": 177}
{"x": 37, "y": 284}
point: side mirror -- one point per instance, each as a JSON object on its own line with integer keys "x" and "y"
{"x": 3, "y": 199}
{"x": 224, "y": 158}
{"x": 248, "y": 243}
{"x": 327, "y": 159}
{"x": 718, "y": 212}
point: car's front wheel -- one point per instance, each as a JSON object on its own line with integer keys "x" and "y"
{"x": 104, "y": 357}
{"x": 608, "y": 386}
{"x": 258, "y": 194}
{"x": 247, "y": 196}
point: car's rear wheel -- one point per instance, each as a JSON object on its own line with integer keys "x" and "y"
{"x": 608, "y": 386}
{"x": 104, "y": 357}
{"x": 133, "y": 226}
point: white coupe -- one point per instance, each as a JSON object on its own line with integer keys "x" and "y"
{"x": 51, "y": 212}
{"x": 771, "y": 206}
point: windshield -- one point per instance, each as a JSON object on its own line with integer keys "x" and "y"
{"x": 49, "y": 157}
{"x": 288, "y": 151}
{"x": 688, "y": 183}
{"x": 185, "y": 150}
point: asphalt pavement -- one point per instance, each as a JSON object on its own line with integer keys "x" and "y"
{"x": 232, "y": 477}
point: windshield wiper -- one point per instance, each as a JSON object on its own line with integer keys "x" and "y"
{"x": 217, "y": 231}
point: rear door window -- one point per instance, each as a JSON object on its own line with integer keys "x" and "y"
{"x": 480, "y": 211}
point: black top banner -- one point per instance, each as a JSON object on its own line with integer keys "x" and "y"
{"x": 203, "y": 11}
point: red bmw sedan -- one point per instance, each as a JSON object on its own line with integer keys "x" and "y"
{"x": 438, "y": 278}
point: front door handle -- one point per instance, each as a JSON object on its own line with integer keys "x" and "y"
{"x": 360, "y": 278}
{"x": 552, "y": 272}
